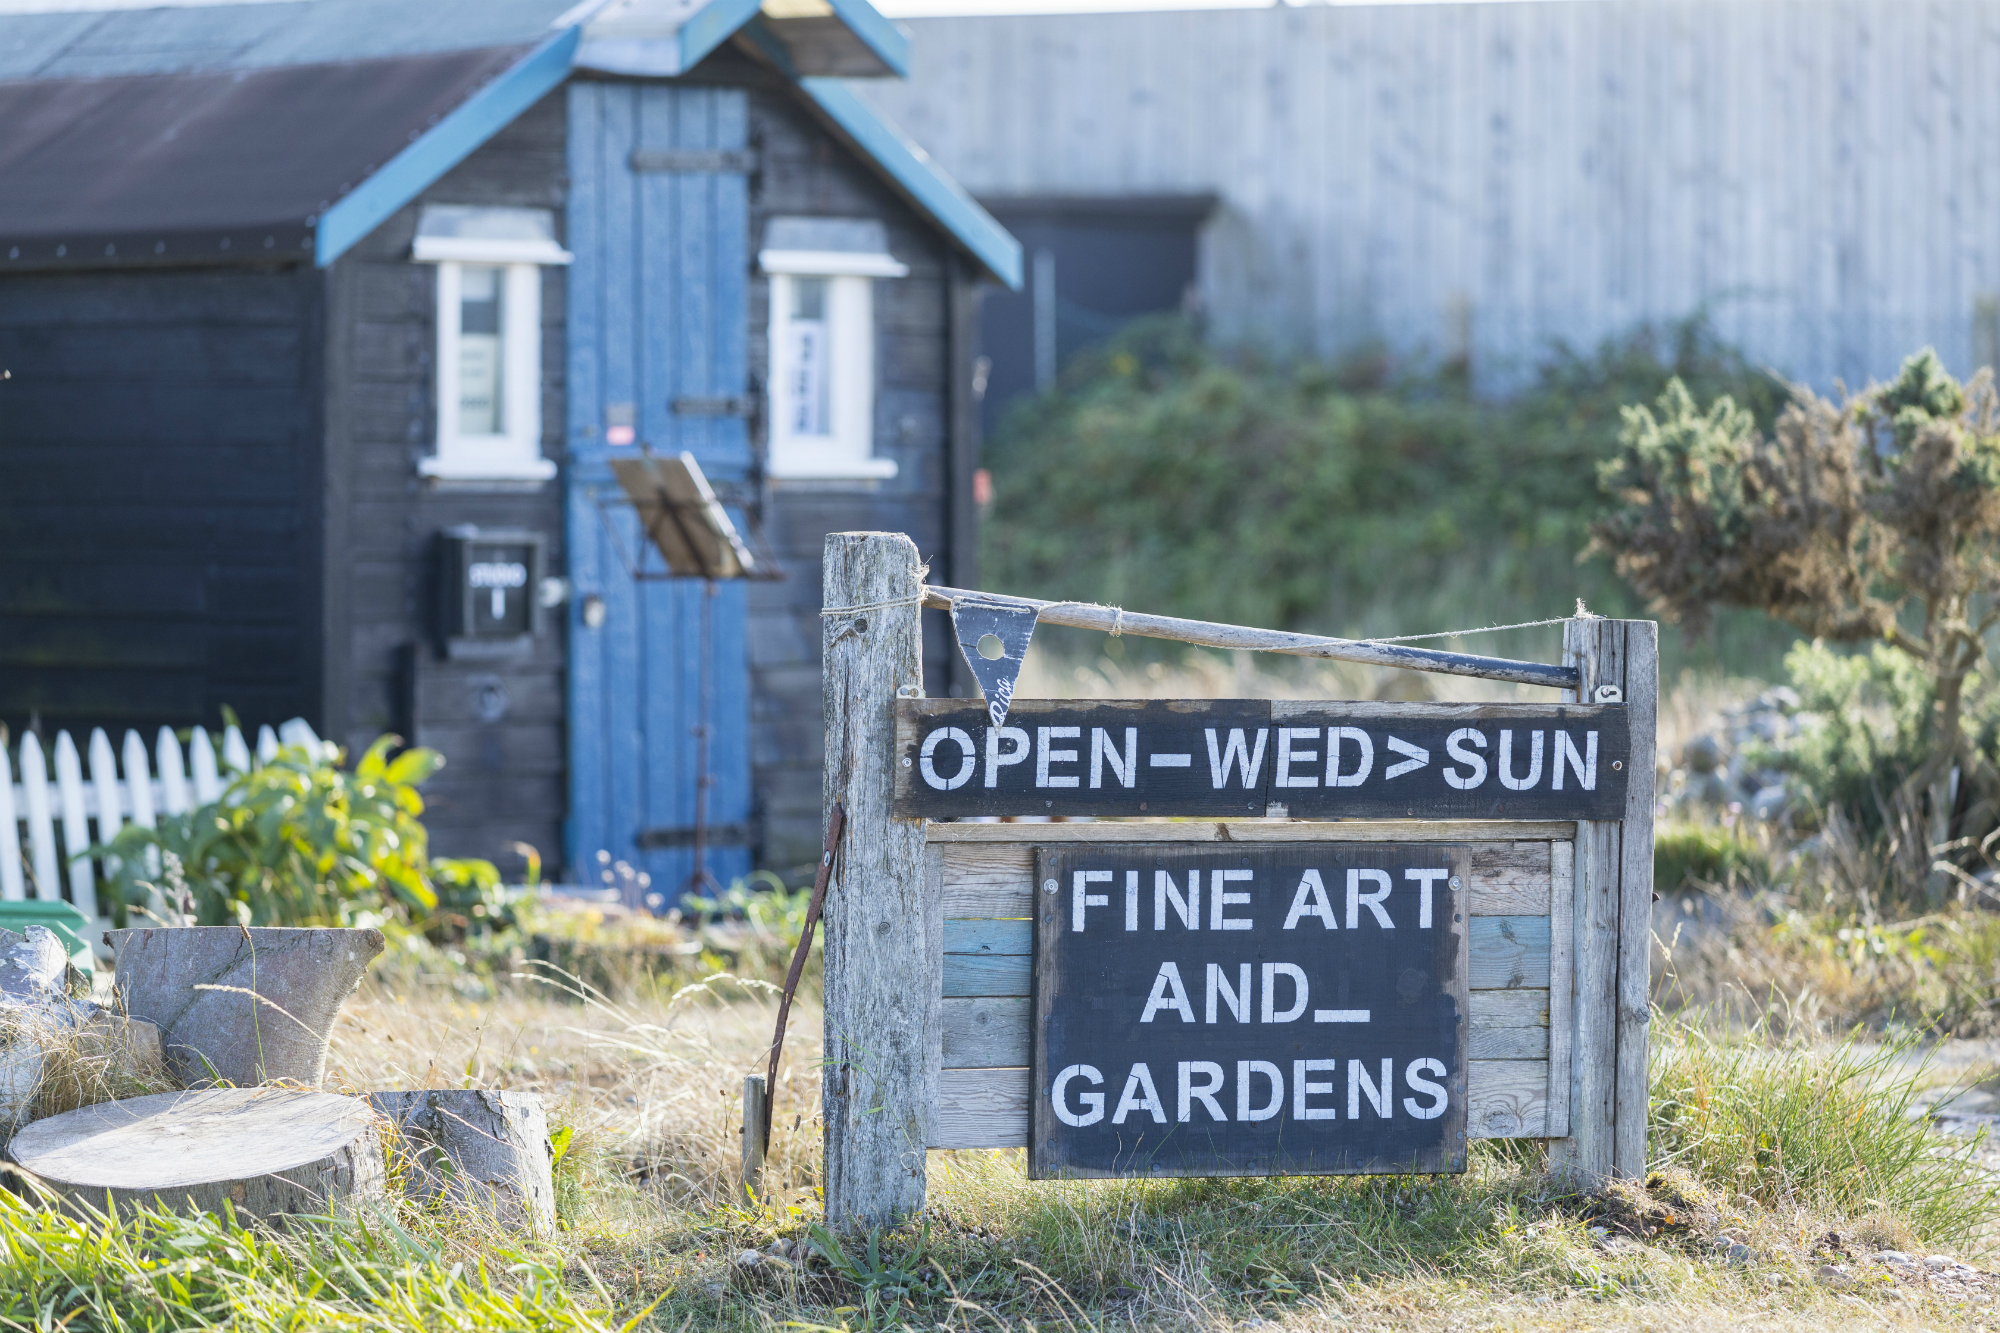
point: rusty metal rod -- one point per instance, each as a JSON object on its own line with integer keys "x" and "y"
{"x": 1089, "y": 615}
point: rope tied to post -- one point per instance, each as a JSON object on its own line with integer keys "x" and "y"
{"x": 835, "y": 824}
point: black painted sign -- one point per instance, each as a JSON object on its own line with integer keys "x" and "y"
{"x": 1258, "y": 757}
{"x": 1266, "y": 1009}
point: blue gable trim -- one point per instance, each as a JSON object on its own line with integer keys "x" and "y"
{"x": 911, "y": 169}
{"x": 443, "y": 146}
{"x": 713, "y": 25}
{"x": 884, "y": 38}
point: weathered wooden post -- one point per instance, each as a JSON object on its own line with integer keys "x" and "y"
{"x": 883, "y": 929}
{"x": 1612, "y": 918}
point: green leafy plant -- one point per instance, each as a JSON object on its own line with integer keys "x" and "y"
{"x": 885, "y": 1279}
{"x": 301, "y": 841}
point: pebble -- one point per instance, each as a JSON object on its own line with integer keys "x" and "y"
{"x": 749, "y": 1259}
{"x": 1892, "y": 1257}
{"x": 1835, "y": 1275}
{"x": 1738, "y": 1254}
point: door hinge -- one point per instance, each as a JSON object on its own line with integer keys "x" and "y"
{"x": 695, "y": 405}
{"x": 694, "y": 161}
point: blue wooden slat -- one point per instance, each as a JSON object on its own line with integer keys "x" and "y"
{"x": 585, "y": 829}
{"x": 989, "y": 937}
{"x": 665, "y": 317}
{"x": 972, "y": 975}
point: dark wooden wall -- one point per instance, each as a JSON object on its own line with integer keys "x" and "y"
{"x": 503, "y": 780}
{"x": 802, "y": 170}
{"x": 157, "y": 438}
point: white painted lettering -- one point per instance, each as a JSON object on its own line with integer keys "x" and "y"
{"x": 1364, "y": 764}
{"x": 968, "y": 764}
{"x": 1170, "y": 760}
{"x": 1435, "y": 1091}
{"x": 1237, "y": 999}
{"x": 1220, "y": 901}
{"x": 995, "y": 761}
{"x": 1205, "y": 1094}
{"x": 1245, "y": 1070}
{"x": 1382, "y": 1096}
{"x": 1356, "y": 899}
{"x": 1044, "y": 756}
{"x": 1124, "y": 767}
{"x": 1237, "y": 753}
{"x": 1456, "y": 745}
{"x": 1310, "y": 900}
{"x": 1168, "y": 993}
{"x": 1092, "y": 1102}
{"x": 1303, "y": 1087}
{"x": 1583, "y": 765}
{"x": 1139, "y": 1080}
{"x": 1287, "y": 756}
{"x": 1131, "y": 900}
{"x": 1272, "y": 971}
{"x": 1507, "y": 778}
{"x": 1166, "y": 891}
{"x": 1081, "y": 897}
{"x": 1340, "y": 1015}
{"x": 1426, "y": 880}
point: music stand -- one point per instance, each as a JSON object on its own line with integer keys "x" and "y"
{"x": 679, "y": 512}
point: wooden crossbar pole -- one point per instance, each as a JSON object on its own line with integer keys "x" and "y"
{"x": 1207, "y": 634}
{"x": 884, "y": 950}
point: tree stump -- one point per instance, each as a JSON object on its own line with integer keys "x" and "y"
{"x": 237, "y": 1006}
{"x": 265, "y": 1152}
{"x": 485, "y": 1150}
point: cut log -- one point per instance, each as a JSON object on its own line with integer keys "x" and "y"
{"x": 485, "y": 1150}
{"x": 238, "y": 1006}
{"x": 39, "y": 1019}
{"x": 34, "y": 967}
{"x": 266, "y": 1153}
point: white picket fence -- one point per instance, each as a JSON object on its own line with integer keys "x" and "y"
{"x": 56, "y": 820}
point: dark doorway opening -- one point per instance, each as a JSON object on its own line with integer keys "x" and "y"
{"x": 1092, "y": 265}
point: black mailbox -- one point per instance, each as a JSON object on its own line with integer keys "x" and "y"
{"x": 489, "y": 600}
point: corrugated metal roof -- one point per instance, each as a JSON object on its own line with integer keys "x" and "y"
{"x": 209, "y": 165}
{"x": 213, "y": 38}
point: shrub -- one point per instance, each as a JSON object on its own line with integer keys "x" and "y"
{"x": 300, "y": 841}
{"x": 1874, "y": 520}
{"x": 1714, "y": 854}
{"x": 1166, "y": 475}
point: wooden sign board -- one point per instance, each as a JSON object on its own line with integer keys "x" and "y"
{"x": 1273, "y": 1009}
{"x": 1259, "y": 757}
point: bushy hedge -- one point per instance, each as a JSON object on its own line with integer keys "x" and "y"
{"x": 1164, "y": 475}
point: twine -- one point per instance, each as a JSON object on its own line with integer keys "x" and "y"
{"x": 835, "y": 612}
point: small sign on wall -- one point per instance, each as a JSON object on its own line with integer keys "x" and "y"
{"x": 489, "y": 596}
{"x": 1290, "y": 1009}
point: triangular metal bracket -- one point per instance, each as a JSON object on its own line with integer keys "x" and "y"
{"x": 1011, "y": 623}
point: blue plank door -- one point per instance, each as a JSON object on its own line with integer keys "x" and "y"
{"x": 657, "y": 316}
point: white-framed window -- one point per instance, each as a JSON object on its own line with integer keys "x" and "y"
{"x": 489, "y": 339}
{"x": 822, "y": 339}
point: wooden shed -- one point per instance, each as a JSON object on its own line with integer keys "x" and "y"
{"x": 323, "y": 322}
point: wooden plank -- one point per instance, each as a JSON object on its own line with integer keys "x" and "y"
{"x": 994, "y": 1032}
{"x": 1509, "y": 1099}
{"x": 982, "y": 1108}
{"x": 1585, "y": 1155}
{"x": 986, "y": 879}
{"x": 1257, "y": 830}
{"x": 967, "y": 975}
{"x": 987, "y": 1033}
{"x": 1562, "y": 983}
{"x": 11, "y": 887}
{"x": 1508, "y": 952}
{"x": 884, "y": 945}
{"x": 988, "y": 1108}
{"x": 1232, "y": 759}
{"x": 1635, "y": 904}
{"x": 989, "y": 937}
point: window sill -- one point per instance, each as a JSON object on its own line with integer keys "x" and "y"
{"x": 441, "y": 467}
{"x": 832, "y": 469}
